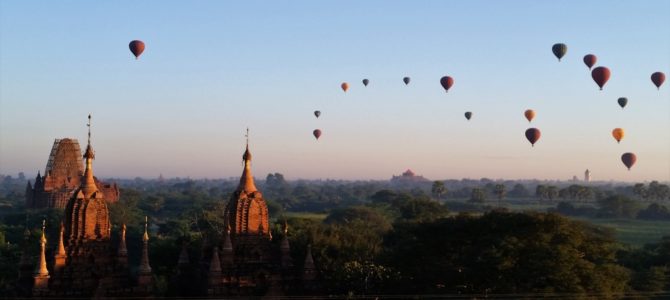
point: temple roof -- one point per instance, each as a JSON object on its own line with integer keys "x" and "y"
{"x": 247, "y": 180}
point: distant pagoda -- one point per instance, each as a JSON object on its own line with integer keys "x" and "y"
{"x": 62, "y": 177}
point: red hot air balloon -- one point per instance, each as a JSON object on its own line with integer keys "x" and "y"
{"x": 344, "y": 86}
{"x": 601, "y": 75}
{"x": 658, "y": 78}
{"x": 590, "y": 60}
{"x": 446, "y": 82}
{"x": 317, "y": 133}
{"x": 136, "y": 47}
{"x": 628, "y": 159}
{"x": 533, "y": 135}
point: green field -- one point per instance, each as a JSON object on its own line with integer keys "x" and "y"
{"x": 306, "y": 215}
{"x": 633, "y": 232}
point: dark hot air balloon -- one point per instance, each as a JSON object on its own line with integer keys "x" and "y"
{"x": 559, "y": 50}
{"x": 533, "y": 135}
{"x": 136, "y": 47}
{"x": 317, "y": 133}
{"x": 468, "y": 115}
{"x": 590, "y": 60}
{"x": 658, "y": 78}
{"x": 618, "y": 134}
{"x": 529, "y": 114}
{"x": 317, "y": 113}
{"x": 446, "y": 82}
{"x": 344, "y": 86}
{"x": 628, "y": 159}
{"x": 366, "y": 81}
{"x": 601, "y": 75}
{"x": 622, "y": 102}
{"x": 406, "y": 80}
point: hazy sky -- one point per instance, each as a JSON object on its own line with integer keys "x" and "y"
{"x": 212, "y": 68}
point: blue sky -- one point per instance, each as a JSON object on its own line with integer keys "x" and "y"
{"x": 213, "y": 68}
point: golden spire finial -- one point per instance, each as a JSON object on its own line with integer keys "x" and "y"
{"x": 88, "y": 184}
{"x": 43, "y": 239}
{"x": 247, "y": 180}
{"x": 285, "y": 228}
{"x": 146, "y": 225}
{"x": 89, "y": 128}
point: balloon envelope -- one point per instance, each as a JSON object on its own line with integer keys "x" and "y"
{"x": 365, "y": 82}
{"x": 533, "y": 135}
{"x": 618, "y": 134}
{"x": 590, "y": 60}
{"x": 622, "y": 101}
{"x": 406, "y": 80}
{"x": 559, "y": 50}
{"x": 658, "y": 78}
{"x": 530, "y": 114}
{"x": 446, "y": 82}
{"x": 136, "y": 47}
{"x": 317, "y": 113}
{"x": 601, "y": 75}
{"x": 317, "y": 133}
{"x": 344, "y": 86}
{"x": 468, "y": 115}
{"x": 628, "y": 159}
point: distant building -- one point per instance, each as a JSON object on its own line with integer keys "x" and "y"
{"x": 587, "y": 175}
{"x": 62, "y": 177}
{"x": 575, "y": 178}
{"x": 408, "y": 177}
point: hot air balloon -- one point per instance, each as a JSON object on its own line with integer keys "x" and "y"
{"x": 406, "y": 80}
{"x": 559, "y": 50}
{"x": 446, "y": 82}
{"x": 317, "y": 133}
{"x": 628, "y": 159}
{"x": 601, "y": 75}
{"x": 317, "y": 113}
{"x": 366, "y": 81}
{"x": 530, "y": 114}
{"x": 590, "y": 60}
{"x": 136, "y": 47}
{"x": 658, "y": 78}
{"x": 618, "y": 134}
{"x": 533, "y": 135}
{"x": 344, "y": 86}
{"x": 468, "y": 115}
{"x": 622, "y": 102}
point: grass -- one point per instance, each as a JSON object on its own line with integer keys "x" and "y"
{"x": 632, "y": 231}
{"x": 306, "y": 215}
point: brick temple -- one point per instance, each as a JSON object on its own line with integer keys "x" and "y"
{"x": 246, "y": 263}
{"x": 85, "y": 263}
{"x": 62, "y": 178}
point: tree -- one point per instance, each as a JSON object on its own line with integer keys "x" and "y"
{"x": 552, "y": 192}
{"x": 519, "y": 191}
{"x": 500, "y": 191}
{"x": 640, "y": 190}
{"x": 617, "y": 207}
{"x": 654, "y": 211}
{"x": 438, "y": 190}
{"x": 503, "y": 252}
{"x": 541, "y": 191}
{"x": 478, "y": 195}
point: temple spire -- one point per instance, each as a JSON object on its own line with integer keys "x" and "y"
{"x": 247, "y": 180}
{"x": 123, "y": 250}
{"x": 88, "y": 186}
{"x": 308, "y": 270}
{"x": 227, "y": 250}
{"x": 60, "y": 256}
{"x": 145, "y": 269}
{"x": 41, "y": 269}
{"x": 285, "y": 249}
